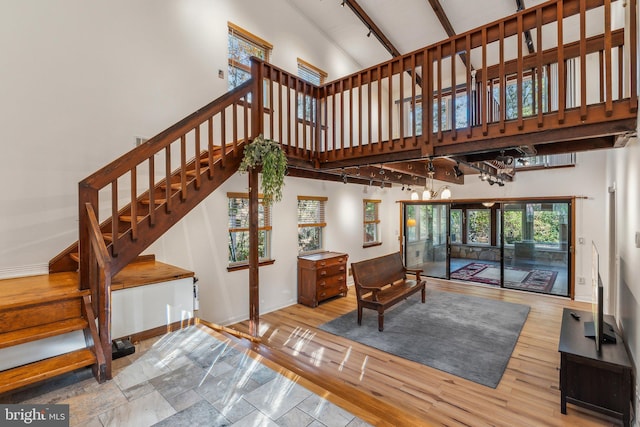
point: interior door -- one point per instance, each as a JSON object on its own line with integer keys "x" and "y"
{"x": 426, "y": 238}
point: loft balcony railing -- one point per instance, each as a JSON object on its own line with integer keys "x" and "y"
{"x": 430, "y": 102}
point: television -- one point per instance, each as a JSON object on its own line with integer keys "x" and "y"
{"x": 599, "y": 330}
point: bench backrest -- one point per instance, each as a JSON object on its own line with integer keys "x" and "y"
{"x": 378, "y": 271}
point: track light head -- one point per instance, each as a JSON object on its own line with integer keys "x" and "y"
{"x": 457, "y": 171}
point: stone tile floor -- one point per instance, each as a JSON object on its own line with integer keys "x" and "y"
{"x": 187, "y": 378}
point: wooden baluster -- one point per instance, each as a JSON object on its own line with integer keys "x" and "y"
{"x": 360, "y": 113}
{"x": 369, "y": 115}
{"x": 439, "y": 103}
{"x": 290, "y": 121}
{"x": 115, "y": 219}
{"x": 152, "y": 191}
{"x": 601, "y": 76}
{"x": 246, "y": 114}
{"x": 562, "y": 88}
{"x": 167, "y": 177}
{"x": 223, "y": 132}
{"x": 305, "y": 100}
{"x": 295, "y": 120}
{"x": 539, "y": 67}
{"x": 380, "y": 108}
{"x": 342, "y": 117}
{"x": 210, "y": 145}
{"x": 454, "y": 121}
{"x": 583, "y": 60}
{"x": 183, "y": 166}
{"x": 390, "y": 104}
{"x": 427, "y": 103}
{"x": 280, "y": 133}
{"x": 198, "y": 155}
{"x": 334, "y": 125}
{"x": 134, "y": 204}
{"x": 484, "y": 107}
{"x": 503, "y": 78}
{"x": 270, "y": 102}
{"x": 607, "y": 55}
{"x": 520, "y": 93}
{"x": 414, "y": 73}
{"x": 401, "y": 121}
{"x": 234, "y": 124}
{"x": 351, "y": 113}
{"x": 471, "y": 102}
{"x": 549, "y": 94}
{"x": 633, "y": 55}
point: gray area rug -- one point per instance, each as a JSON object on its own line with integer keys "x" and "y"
{"x": 463, "y": 335}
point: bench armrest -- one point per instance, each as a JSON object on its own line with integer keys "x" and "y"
{"x": 416, "y": 271}
{"x": 374, "y": 290}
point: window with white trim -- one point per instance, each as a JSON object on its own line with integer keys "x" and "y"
{"x": 311, "y": 223}
{"x": 239, "y": 229}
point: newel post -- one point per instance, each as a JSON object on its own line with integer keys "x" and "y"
{"x": 257, "y": 98}
{"x": 254, "y": 275}
{"x": 87, "y": 273}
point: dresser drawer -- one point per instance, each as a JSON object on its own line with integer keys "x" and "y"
{"x": 331, "y": 270}
{"x": 324, "y": 293}
{"x": 329, "y": 262}
{"x": 330, "y": 282}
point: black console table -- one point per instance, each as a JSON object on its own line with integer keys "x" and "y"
{"x": 598, "y": 381}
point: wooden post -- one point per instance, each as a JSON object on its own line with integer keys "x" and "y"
{"x": 254, "y": 276}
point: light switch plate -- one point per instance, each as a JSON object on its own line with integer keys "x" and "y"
{"x": 637, "y": 239}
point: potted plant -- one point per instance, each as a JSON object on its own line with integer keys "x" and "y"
{"x": 268, "y": 155}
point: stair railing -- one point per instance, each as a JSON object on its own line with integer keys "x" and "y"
{"x": 199, "y": 151}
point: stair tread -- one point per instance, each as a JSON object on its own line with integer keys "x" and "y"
{"x": 156, "y": 201}
{"x": 127, "y": 218}
{"x": 21, "y": 291}
{"x": 34, "y": 333}
{"x": 33, "y": 372}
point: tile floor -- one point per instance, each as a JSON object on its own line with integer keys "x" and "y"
{"x": 187, "y": 378}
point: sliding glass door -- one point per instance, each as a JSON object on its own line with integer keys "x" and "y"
{"x": 536, "y": 246}
{"x": 426, "y": 230}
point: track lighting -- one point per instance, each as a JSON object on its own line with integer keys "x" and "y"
{"x": 457, "y": 171}
{"x": 430, "y": 167}
{"x": 369, "y": 33}
{"x": 403, "y": 188}
{"x": 342, "y": 4}
{"x": 523, "y": 161}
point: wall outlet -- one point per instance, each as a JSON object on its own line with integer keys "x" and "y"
{"x": 581, "y": 240}
{"x": 140, "y": 140}
{"x": 220, "y": 74}
{"x": 580, "y": 280}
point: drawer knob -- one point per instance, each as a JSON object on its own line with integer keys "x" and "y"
{"x": 322, "y": 284}
{"x": 323, "y": 273}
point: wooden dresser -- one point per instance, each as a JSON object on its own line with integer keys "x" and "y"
{"x": 320, "y": 276}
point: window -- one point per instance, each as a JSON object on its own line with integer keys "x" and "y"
{"x": 311, "y": 223}
{"x": 239, "y": 229}
{"x": 371, "y": 222}
{"x": 479, "y": 226}
{"x": 242, "y": 46}
{"x": 315, "y": 76}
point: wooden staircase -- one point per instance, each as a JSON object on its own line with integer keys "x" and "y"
{"x": 36, "y": 308}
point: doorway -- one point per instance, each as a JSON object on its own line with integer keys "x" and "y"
{"x": 518, "y": 244}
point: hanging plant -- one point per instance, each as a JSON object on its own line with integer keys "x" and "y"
{"x": 269, "y": 155}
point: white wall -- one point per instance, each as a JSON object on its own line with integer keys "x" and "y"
{"x": 199, "y": 242}
{"x": 80, "y": 80}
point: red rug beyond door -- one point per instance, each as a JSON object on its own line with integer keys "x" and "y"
{"x": 528, "y": 279}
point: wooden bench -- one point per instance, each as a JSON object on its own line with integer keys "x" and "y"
{"x": 382, "y": 282}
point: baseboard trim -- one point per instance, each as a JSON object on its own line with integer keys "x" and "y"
{"x": 24, "y": 271}
{"x": 160, "y": 330}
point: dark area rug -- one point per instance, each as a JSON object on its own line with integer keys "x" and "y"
{"x": 463, "y": 335}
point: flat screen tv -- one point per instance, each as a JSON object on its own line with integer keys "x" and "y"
{"x": 601, "y": 331}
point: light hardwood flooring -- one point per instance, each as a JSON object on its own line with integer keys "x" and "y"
{"x": 387, "y": 390}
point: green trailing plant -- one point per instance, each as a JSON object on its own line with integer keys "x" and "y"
{"x": 267, "y": 154}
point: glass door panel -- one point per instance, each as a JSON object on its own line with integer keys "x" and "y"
{"x": 536, "y": 246}
{"x": 426, "y": 245}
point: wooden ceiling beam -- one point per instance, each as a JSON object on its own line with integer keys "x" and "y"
{"x": 448, "y": 28}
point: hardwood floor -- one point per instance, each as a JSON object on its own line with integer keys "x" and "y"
{"x": 387, "y": 390}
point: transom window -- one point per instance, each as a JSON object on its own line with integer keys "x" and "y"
{"x": 311, "y": 223}
{"x": 371, "y": 222}
{"x": 239, "y": 229}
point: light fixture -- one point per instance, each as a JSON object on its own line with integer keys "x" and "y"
{"x": 402, "y": 187}
{"x": 484, "y": 177}
{"x": 488, "y": 204}
{"x": 342, "y": 4}
{"x": 414, "y": 195}
{"x": 369, "y": 33}
{"x": 523, "y": 161}
{"x": 429, "y": 193}
{"x": 411, "y": 222}
{"x": 430, "y": 167}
